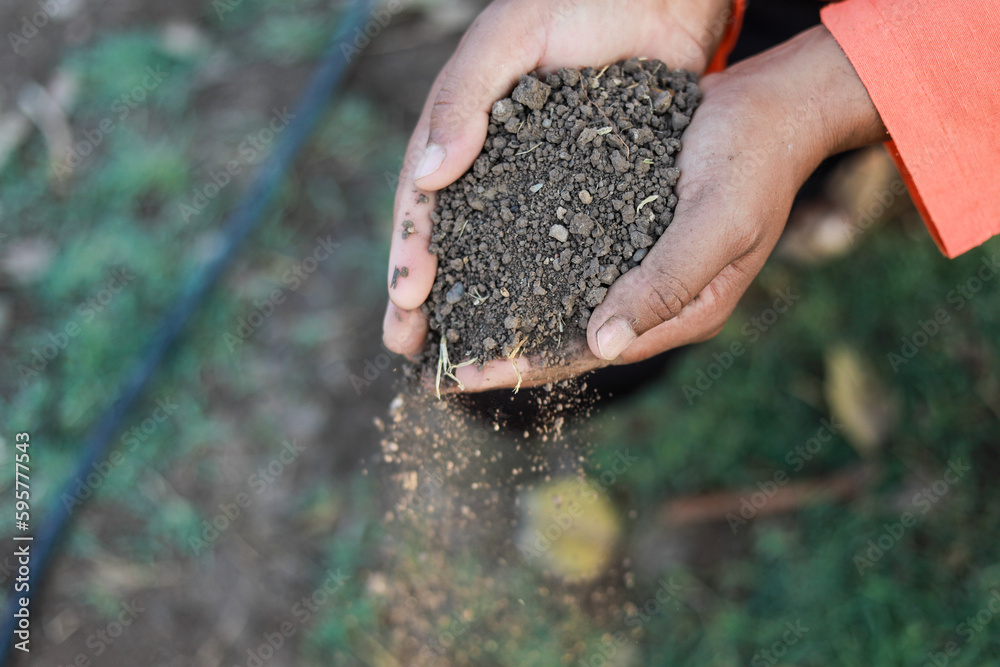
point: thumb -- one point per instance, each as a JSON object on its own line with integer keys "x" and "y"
{"x": 689, "y": 255}
{"x": 499, "y": 47}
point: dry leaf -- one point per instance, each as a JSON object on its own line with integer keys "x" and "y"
{"x": 857, "y": 399}
{"x": 568, "y": 528}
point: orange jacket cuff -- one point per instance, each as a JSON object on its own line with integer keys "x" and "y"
{"x": 734, "y": 21}
{"x": 927, "y": 67}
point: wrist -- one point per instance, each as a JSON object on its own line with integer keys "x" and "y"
{"x": 820, "y": 105}
{"x": 835, "y": 113}
{"x": 850, "y": 116}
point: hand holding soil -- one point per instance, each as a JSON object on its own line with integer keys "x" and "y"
{"x": 763, "y": 126}
{"x": 510, "y": 39}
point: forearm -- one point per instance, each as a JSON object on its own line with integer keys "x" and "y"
{"x": 809, "y": 91}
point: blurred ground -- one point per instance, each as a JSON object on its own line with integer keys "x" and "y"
{"x": 825, "y": 496}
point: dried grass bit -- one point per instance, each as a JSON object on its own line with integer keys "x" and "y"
{"x": 447, "y": 369}
{"x": 529, "y": 150}
{"x": 647, "y": 200}
{"x": 511, "y": 356}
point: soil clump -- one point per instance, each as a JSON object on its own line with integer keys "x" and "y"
{"x": 573, "y": 187}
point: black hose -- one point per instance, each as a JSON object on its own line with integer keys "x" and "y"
{"x": 241, "y": 221}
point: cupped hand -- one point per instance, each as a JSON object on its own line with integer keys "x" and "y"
{"x": 763, "y": 126}
{"x": 510, "y": 38}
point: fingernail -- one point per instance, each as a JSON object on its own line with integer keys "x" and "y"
{"x": 433, "y": 157}
{"x": 614, "y": 337}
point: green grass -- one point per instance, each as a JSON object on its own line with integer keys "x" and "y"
{"x": 120, "y": 209}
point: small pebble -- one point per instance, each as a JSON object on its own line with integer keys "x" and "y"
{"x": 596, "y": 296}
{"x": 581, "y": 224}
{"x": 585, "y": 197}
{"x": 455, "y": 294}
{"x": 502, "y": 111}
{"x": 662, "y": 102}
{"x": 559, "y": 233}
{"x": 586, "y": 136}
{"x": 570, "y": 77}
{"x": 609, "y": 274}
{"x": 408, "y": 229}
{"x": 531, "y": 92}
{"x": 640, "y": 240}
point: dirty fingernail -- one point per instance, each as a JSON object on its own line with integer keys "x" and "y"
{"x": 433, "y": 157}
{"x": 614, "y": 337}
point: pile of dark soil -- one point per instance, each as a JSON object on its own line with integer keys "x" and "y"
{"x": 574, "y": 185}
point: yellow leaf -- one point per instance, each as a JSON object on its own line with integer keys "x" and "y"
{"x": 857, "y": 399}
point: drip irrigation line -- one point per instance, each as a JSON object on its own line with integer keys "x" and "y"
{"x": 241, "y": 221}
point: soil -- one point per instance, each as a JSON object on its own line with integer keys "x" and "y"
{"x": 575, "y": 183}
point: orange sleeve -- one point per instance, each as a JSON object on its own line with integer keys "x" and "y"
{"x": 931, "y": 69}
{"x": 733, "y": 24}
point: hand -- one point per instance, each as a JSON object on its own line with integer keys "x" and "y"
{"x": 763, "y": 126}
{"x": 510, "y": 38}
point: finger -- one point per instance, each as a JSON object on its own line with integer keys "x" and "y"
{"x": 500, "y": 46}
{"x": 495, "y": 374}
{"x": 404, "y": 331}
{"x": 531, "y": 372}
{"x": 412, "y": 227}
{"x": 692, "y": 251}
{"x": 700, "y": 320}
{"x": 449, "y": 136}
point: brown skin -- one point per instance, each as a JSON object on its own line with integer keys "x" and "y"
{"x": 763, "y": 126}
